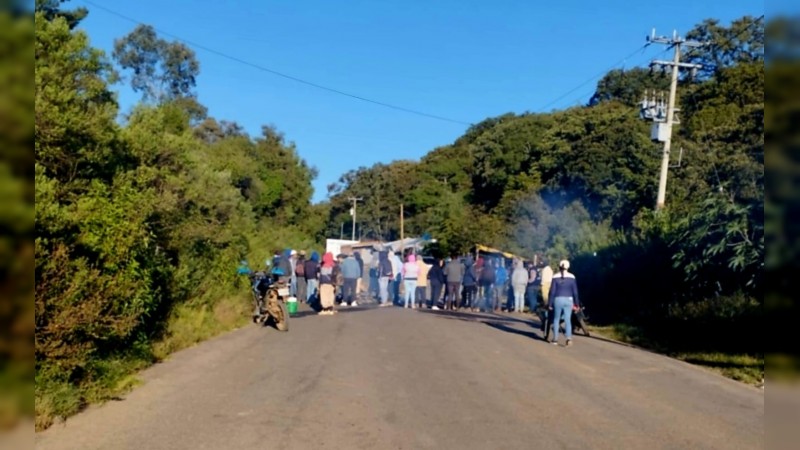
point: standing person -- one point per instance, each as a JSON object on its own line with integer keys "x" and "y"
{"x": 366, "y": 264}
{"x": 312, "y": 277}
{"x": 374, "y": 284}
{"x": 487, "y": 280}
{"x": 422, "y": 282}
{"x": 563, "y": 301}
{"x": 286, "y": 266}
{"x": 454, "y": 272}
{"x": 397, "y": 267}
{"x": 500, "y": 285}
{"x": 519, "y": 279}
{"x": 276, "y": 267}
{"x": 547, "y": 278}
{"x": 385, "y": 274}
{"x": 532, "y": 289}
{"x": 470, "y": 283}
{"x": 327, "y": 281}
{"x": 339, "y": 291}
{"x": 410, "y": 274}
{"x": 300, "y": 275}
{"x": 351, "y": 273}
{"x": 359, "y": 283}
{"x": 293, "y": 271}
{"x": 437, "y": 282}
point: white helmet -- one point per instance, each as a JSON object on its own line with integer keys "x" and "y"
{"x": 564, "y": 264}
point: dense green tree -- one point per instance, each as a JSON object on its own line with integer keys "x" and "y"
{"x": 51, "y": 9}
{"x": 628, "y": 86}
{"x": 741, "y": 42}
{"x": 162, "y": 70}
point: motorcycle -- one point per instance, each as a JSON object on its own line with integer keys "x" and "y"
{"x": 269, "y": 300}
{"x": 579, "y": 319}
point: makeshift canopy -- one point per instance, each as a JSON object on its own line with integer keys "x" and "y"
{"x": 480, "y": 248}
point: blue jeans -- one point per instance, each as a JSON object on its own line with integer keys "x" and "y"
{"x": 562, "y": 309}
{"x": 383, "y": 286}
{"x": 396, "y": 288}
{"x": 410, "y": 294}
{"x": 311, "y": 289}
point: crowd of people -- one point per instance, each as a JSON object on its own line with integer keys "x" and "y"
{"x": 458, "y": 283}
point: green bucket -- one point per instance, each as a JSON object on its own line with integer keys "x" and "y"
{"x": 291, "y": 306}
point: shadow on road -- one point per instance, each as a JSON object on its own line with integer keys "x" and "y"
{"x": 503, "y": 322}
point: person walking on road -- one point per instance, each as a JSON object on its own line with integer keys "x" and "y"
{"x": 437, "y": 281}
{"x": 563, "y": 301}
{"x": 327, "y": 283}
{"x": 385, "y": 274}
{"x": 351, "y": 272}
{"x": 519, "y": 280}
{"x": 410, "y": 274}
{"x": 454, "y": 272}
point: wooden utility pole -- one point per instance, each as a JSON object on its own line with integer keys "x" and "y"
{"x": 402, "y": 232}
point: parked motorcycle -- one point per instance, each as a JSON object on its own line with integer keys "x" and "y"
{"x": 579, "y": 319}
{"x": 269, "y": 300}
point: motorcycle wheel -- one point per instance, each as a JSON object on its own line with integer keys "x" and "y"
{"x": 582, "y": 324}
{"x": 282, "y": 322}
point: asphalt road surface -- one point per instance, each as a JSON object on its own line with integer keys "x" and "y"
{"x": 375, "y": 378}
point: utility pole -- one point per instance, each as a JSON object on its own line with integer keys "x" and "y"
{"x": 402, "y": 233}
{"x": 355, "y": 201}
{"x": 653, "y": 110}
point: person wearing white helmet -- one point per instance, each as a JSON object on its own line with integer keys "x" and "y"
{"x": 563, "y": 300}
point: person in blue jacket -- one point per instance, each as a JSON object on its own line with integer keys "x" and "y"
{"x": 500, "y": 285}
{"x": 563, "y": 300}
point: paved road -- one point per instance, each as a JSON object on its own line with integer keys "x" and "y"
{"x": 391, "y": 378}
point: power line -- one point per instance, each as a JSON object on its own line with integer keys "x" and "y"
{"x": 280, "y": 74}
{"x": 596, "y": 76}
{"x": 587, "y": 92}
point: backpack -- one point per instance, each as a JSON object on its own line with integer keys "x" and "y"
{"x": 300, "y": 269}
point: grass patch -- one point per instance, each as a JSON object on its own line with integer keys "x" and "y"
{"x": 57, "y": 397}
{"x": 190, "y": 324}
{"x": 743, "y": 367}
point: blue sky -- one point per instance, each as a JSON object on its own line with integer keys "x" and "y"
{"x": 464, "y": 60}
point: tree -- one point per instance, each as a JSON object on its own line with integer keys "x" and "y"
{"x": 742, "y": 42}
{"x": 51, "y": 10}
{"x": 75, "y": 112}
{"x": 628, "y": 86}
{"x": 162, "y": 70}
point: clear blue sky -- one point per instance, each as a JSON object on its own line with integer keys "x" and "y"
{"x": 465, "y": 60}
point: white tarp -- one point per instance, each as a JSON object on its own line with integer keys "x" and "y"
{"x": 335, "y": 245}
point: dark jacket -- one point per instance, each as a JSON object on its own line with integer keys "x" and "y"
{"x": 564, "y": 285}
{"x": 285, "y": 264}
{"x": 436, "y": 274}
{"x": 487, "y": 276}
{"x": 360, "y": 264}
{"x": 470, "y": 278}
{"x": 384, "y": 265}
{"x": 312, "y": 267}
